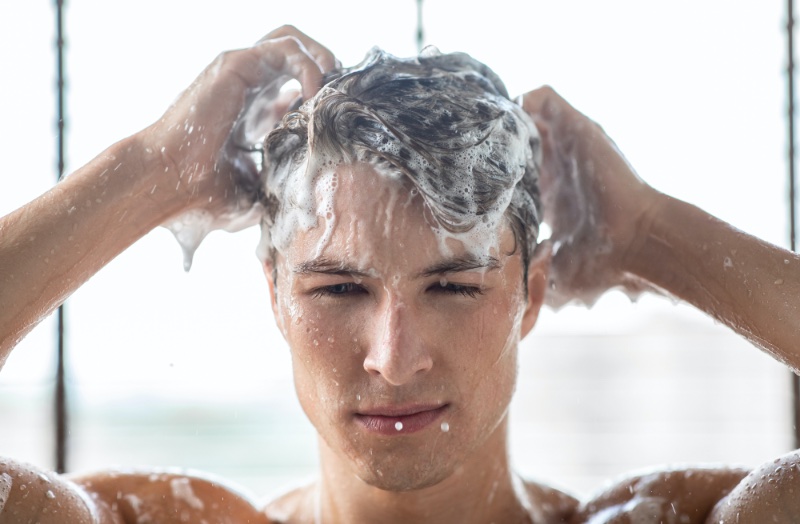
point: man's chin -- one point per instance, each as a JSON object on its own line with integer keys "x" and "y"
{"x": 404, "y": 479}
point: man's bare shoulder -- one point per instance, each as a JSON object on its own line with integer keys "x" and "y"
{"x": 165, "y": 496}
{"x": 29, "y": 494}
{"x": 681, "y": 495}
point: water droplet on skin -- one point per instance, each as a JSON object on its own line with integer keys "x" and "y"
{"x": 50, "y": 494}
{"x": 398, "y": 426}
{"x": 445, "y": 427}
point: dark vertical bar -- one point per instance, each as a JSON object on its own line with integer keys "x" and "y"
{"x": 420, "y": 32}
{"x": 790, "y": 76}
{"x": 61, "y": 390}
{"x": 792, "y": 219}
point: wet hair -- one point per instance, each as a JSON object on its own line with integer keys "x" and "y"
{"x": 445, "y": 121}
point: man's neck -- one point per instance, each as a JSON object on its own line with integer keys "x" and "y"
{"x": 481, "y": 489}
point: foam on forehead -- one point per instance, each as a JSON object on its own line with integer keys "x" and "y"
{"x": 442, "y": 121}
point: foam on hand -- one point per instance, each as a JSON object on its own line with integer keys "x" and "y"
{"x": 243, "y": 155}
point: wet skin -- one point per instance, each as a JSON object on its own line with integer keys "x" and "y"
{"x": 388, "y": 331}
{"x": 385, "y": 326}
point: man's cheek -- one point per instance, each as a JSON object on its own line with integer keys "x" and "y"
{"x": 319, "y": 369}
{"x": 312, "y": 390}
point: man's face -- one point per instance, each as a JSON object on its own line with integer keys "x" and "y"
{"x": 404, "y": 352}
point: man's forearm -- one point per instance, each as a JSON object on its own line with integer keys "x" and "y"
{"x": 52, "y": 245}
{"x": 748, "y": 284}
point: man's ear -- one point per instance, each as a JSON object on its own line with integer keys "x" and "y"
{"x": 538, "y": 269}
{"x": 270, "y": 274}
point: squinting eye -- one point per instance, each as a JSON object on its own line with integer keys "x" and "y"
{"x": 458, "y": 289}
{"x": 338, "y": 290}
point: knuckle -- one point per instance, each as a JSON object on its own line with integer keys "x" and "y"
{"x": 286, "y": 43}
{"x": 221, "y": 58}
{"x": 288, "y": 28}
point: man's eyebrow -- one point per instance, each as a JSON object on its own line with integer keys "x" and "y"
{"x": 328, "y": 267}
{"x": 462, "y": 263}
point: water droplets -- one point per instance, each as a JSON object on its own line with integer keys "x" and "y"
{"x": 445, "y": 427}
{"x": 398, "y": 426}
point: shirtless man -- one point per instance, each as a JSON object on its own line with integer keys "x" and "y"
{"x": 402, "y": 300}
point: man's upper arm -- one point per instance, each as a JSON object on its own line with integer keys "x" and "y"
{"x": 770, "y": 493}
{"x": 28, "y": 494}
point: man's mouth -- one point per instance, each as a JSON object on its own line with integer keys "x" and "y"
{"x": 400, "y": 420}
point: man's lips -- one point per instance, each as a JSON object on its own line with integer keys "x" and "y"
{"x": 399, "y": 420}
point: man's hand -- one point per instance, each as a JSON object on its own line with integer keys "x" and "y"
{"x": 593, "y": 201}
{"x": 196, "y": 152}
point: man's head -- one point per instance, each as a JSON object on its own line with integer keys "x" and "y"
{"x": 442, "y": 121}
{"x": 402, "y": 212}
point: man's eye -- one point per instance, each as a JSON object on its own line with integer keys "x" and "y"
{"x": 457, "y": 289}
{"x": 338, "y": 290}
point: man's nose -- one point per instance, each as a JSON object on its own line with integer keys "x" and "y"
{"x": 397, "y": 351}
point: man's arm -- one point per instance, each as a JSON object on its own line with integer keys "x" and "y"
{"x": 610, "y": 229}
{"x": 28, "y": 494}
{"x": 51, "y": 246}
{"x": 748, "y": 284}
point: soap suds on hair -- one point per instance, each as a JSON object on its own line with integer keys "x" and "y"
{"x": 442, "y": 123}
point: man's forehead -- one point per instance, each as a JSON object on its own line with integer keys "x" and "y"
{"x": 368, "y": 220}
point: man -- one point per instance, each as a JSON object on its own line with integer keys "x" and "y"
{"x": 401, "y": 211}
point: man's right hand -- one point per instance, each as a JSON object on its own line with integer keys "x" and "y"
{"x": 189, "y": 153}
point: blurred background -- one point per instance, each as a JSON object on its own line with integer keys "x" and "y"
{"x": 167, "y": 368}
